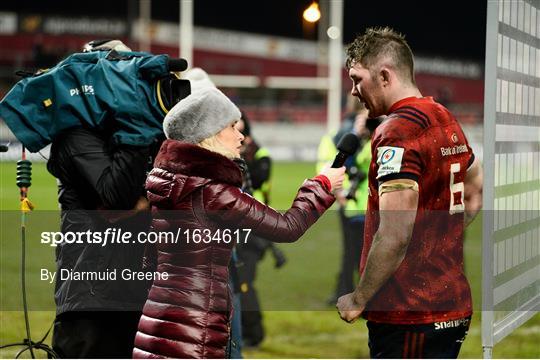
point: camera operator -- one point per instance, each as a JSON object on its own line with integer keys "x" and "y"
{"x": 100, "y": 185}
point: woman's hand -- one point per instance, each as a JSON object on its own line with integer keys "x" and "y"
{"x": 335, "y": 175}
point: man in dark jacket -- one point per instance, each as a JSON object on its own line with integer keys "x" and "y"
{"x": 100, "y": 187}
{"x": 98, "y": 317}
{"x": 102, "y": 111}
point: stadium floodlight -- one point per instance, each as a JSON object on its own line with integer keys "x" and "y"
{"x": 312, "y": 13}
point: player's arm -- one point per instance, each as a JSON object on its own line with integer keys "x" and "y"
{"x": 473, "y": 191}
{"x": 397, "y": 210}
{"x": 400, "y": 164}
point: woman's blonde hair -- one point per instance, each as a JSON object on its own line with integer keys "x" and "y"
{"x": 213, "y": 144}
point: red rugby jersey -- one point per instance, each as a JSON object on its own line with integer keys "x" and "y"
{"x": 422, "y": 141}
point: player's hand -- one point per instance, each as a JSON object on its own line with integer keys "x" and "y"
{"x": 349, "y": 310}
{"x": 336, "y": 177}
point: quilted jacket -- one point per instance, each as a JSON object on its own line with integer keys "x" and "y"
{"x": 195, "y": 190}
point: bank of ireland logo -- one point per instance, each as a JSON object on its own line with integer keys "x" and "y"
{"x": 387, "y": 156}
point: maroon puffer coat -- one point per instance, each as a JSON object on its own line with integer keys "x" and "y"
{"x": 187, "y": 315}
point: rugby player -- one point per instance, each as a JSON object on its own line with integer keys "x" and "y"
{"x": 425, "y": 186}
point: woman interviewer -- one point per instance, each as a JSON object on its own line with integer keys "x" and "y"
{"x": 187, "y": 315}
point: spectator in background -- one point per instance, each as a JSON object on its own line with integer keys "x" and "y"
{"x": 355, "y": 202}
{"x": 421, "y": 196}
{"x": 256, "y": 183}
{"x": 353, "y": 199}
{"x": 352, "y": 107}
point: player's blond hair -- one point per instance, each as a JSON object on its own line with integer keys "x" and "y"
{"x": 381, "y": 43}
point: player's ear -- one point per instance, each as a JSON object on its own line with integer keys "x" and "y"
{"x": 385, "y": 76}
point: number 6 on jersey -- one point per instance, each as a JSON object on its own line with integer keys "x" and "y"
{"x": 457, "y": 204}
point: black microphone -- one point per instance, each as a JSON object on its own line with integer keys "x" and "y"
{"x": 347, "y": 146}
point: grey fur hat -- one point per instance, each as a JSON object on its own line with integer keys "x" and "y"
{"x": 200, "y": 115}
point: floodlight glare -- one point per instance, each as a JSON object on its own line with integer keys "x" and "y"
{"x": 333, "y": 32}
{"x": 312, "y": 13}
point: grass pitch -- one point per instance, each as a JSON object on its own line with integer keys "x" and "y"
{"x": 298, "y": 322}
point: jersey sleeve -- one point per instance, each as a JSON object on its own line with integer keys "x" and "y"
{"x": 397, "y": 158}
{"x": 471, "y": 158}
